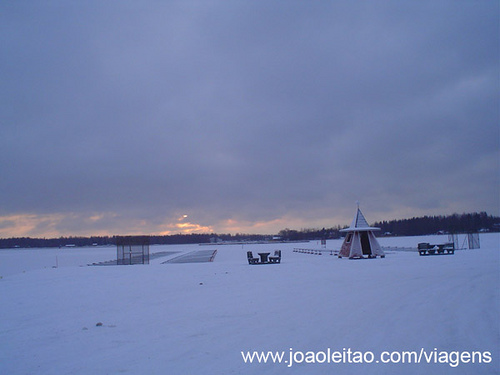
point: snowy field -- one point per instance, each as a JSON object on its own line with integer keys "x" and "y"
{"x": 197, "y": 318}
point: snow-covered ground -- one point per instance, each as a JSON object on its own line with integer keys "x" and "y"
{"x": 197, "y": 318}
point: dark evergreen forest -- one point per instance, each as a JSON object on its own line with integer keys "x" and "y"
{"x": 465, "y": 223}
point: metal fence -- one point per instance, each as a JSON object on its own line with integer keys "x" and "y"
{"x": 468, "y": 241}
{"x": 473, "y": 240}
{"x": 132, "y": 250}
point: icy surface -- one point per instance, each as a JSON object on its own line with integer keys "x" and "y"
{"x": 197, "y": 318}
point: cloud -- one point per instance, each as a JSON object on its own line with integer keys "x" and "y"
{"x": 245, "y": 116}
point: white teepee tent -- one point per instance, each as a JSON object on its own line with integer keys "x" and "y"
{"x": 360, "y": 240}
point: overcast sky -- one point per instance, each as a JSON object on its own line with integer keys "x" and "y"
{"x": 146, "y": 117}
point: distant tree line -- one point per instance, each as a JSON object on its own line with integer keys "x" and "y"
{"x": 205, "y": 238}
{"x": 309, "y": 234}
{"x": 26, "y": 242}
{"x": 417, "y": 226}
{"x": 194, "y": 238}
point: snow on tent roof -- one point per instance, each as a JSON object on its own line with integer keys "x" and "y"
{"x": 359, "y": 224}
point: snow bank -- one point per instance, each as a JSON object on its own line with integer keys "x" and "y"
{"x": 197, "y": 318}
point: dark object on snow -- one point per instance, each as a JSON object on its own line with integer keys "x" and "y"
{"x": 425, "y": 248}
{"x": 251, "y": 259}
{"x": 264, "y": 258}
{"x": 276, "y": 258}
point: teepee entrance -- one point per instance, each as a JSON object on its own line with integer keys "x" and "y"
{"x": 365, "y": 243}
